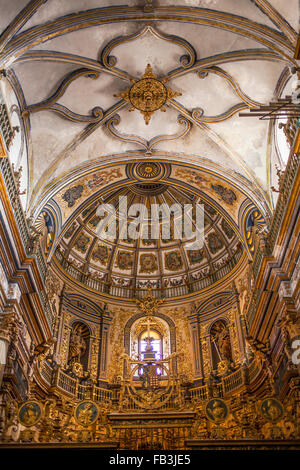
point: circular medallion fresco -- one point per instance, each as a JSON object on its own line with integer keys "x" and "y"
{"x": 86, "y": 413}
{"x": 148, "y": 170}
{"x": 216, "y": 410}
{"x": 30, "y": 413}
{"x": 271, "y": 409}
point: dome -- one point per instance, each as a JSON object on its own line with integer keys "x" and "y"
{"x": 126, "y": 267}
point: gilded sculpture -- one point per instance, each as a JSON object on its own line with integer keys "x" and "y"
{"x": 86, "y": 413}
{"x": 148, "y": 304}
{"x": 77, "y": 345}
{"x": 216, "y": 410}
{"x": 148, "y": 94}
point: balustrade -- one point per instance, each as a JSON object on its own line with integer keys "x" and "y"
{"x": 72, "y": 387}
{"x": 131, "y": 293}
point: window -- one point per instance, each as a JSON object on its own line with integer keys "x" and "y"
{"x": 155, "y": 343}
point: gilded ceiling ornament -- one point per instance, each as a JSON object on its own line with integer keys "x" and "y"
{"x": 149, "y": 304}
{"x": 148, "y": 170}
{"x": 148, "y": 94}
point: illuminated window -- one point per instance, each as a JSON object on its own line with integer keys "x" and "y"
{"x": 156, "y": 343}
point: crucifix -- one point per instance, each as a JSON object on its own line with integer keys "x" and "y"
{"x": 217, "y": 349}
{"x": 149, "y": 353}
{"x": 148, "y": 323}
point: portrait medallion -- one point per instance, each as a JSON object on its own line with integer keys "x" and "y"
{"x": 271, "y": 409}
{"x": 86, "y": 413}
{"x": 216, "y": 410}
{"x": 30, "y": 413}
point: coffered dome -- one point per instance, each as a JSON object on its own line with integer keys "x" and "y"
{"x": 124, "y": 267}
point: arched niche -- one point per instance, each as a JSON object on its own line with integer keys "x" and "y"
{"x": 159, "y": 332}
{"x": 164, "y": 325}
{"x": 79, "y": 344}
{"x": 220, "y": 343}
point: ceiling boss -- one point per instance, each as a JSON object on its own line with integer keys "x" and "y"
{"x": 148, "y": 94}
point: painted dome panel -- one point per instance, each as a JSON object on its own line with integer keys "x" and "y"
{"x": 167, "y": 263}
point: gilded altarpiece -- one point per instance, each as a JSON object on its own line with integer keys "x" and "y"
{"x": 202, "y": 320}
{"x": 64, "y": 339}
{"x": 184, "y": 349}
{"x": 74, "y": 310}
{"x": 116, "y": 343}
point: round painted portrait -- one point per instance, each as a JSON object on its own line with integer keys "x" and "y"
{"x": 30, "y": 413}
{"x": 216, "y": 410}
{"x": 271, "y": 409}
{"x": 86, "y": 413}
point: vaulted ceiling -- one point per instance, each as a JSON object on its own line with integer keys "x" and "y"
{"x": 220, "y": 57}
{"x": 97, "y": 85}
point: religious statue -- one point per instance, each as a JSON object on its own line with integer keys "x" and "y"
{"x": 85, "y": 415}
{"x": 216, "y": 410}
{"x": 222, "y": 339}
{"x": 77, "y": 345}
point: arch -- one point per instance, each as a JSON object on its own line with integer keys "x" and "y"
{"x": 138, "y": 316}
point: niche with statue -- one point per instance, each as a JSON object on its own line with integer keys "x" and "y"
{"x": 78, "y": 357}
{"x": 221, "y": 349}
